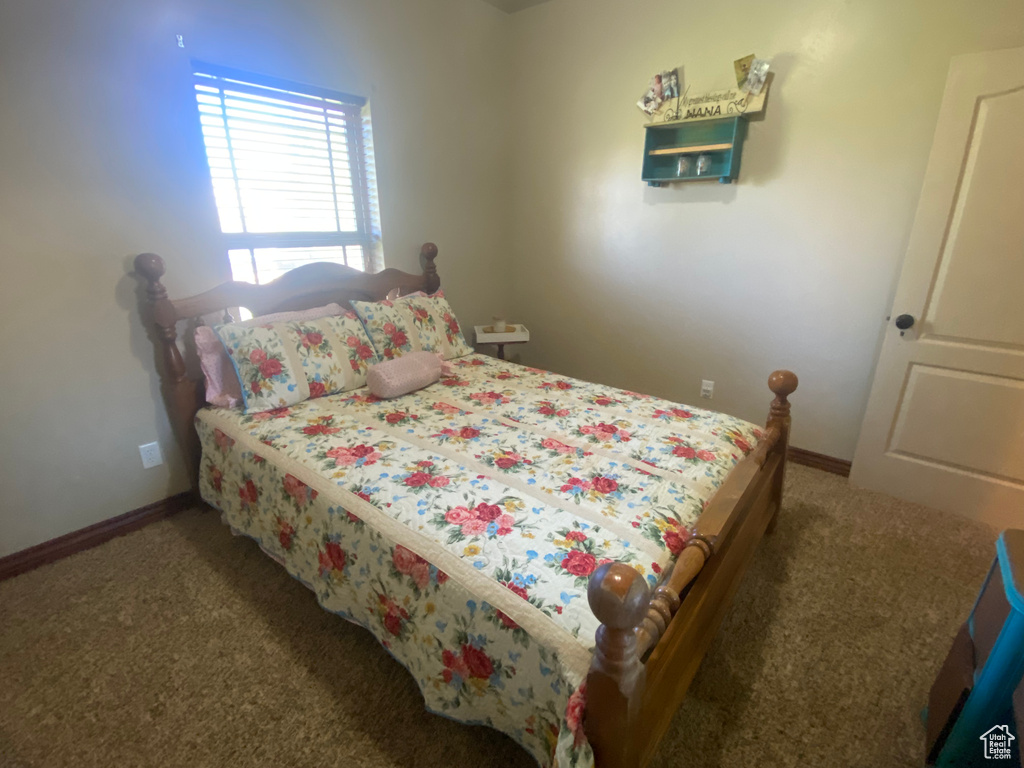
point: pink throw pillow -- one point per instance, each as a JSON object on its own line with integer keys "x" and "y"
{"x": 405, "y": 374}
{"x": 222, "y": 385}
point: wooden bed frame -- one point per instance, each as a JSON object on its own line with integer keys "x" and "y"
{"x": 648, "y": 647}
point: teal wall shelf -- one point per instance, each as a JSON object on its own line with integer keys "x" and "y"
{"x": 720, "y": 142}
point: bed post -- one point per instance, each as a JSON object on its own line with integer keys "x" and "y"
{"x": 429, "y": 252}
{"x": 618, "y": 596}
{"x": 783, "y": 384}
{"x": 181, "y": 393}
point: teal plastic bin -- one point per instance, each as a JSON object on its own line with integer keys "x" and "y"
{"x": 985, "y": 726}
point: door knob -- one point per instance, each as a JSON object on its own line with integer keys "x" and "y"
{"x": 904, "y": 322}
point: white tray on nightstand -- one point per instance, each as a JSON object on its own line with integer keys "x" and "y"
{"x": 514, "y": 334}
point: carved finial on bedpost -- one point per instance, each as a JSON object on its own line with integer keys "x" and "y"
{"x": 429, "y": 252}
{"x": 783, "y": 384}
{"x": 161, "y": 314}
{"x": 619, "y": 597}
{"x": 151, "y": 267}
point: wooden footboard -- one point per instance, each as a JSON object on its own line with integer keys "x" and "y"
{"x": 649, "y": 647}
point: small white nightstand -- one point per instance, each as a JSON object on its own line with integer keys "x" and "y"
{"x": 513, "y": 334}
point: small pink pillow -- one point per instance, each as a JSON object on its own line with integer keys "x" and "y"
{"x": 222, "y": 385}
{"x": 405, "y": 374}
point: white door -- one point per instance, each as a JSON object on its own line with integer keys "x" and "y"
{"x": 945, "y": 422}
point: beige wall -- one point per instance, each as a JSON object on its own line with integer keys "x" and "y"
{"x": 655, "y": 289}
{"x": 101, "y": 158}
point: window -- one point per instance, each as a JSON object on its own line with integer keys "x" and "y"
{"x": 292, "y": 171}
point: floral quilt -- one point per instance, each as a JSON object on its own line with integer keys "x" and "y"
{"x": 460, "y": 523}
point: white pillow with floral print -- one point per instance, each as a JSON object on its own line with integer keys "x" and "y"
{"x": 413, "y": 323}
{"x": 389, "y": 328}
{"x": 452, "y": 341}
{"x": 285, "y": 363}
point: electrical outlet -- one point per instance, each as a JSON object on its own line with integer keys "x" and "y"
{"x": 151, "y": 456}
{"x": 707, "y": 389}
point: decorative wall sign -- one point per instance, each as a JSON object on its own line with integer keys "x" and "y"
{"x": 713, "y": 104}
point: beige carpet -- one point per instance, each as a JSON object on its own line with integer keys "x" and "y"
{"x": 180, "y": 645}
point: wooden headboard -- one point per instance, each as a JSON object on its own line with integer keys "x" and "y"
{"x": 310, "y": 285}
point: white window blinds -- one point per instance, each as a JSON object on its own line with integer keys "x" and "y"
{"x": 292, "y": 173}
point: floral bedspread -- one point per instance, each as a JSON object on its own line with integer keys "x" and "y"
{"x": 460, "y": 523}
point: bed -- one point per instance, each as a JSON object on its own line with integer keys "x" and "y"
{"x": 546, "y": 556}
